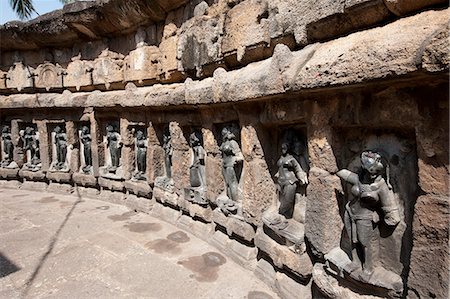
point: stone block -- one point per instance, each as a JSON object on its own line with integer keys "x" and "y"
{"x": 165, "y": 196}
{"x": 288, "y": 288}
{"x": 140, "y": 188}
{"x": 298, "y": 263}
{"x": 20, "y": 76}
{"x": 59, "y": 177}
{"x": 168, "y": 214}
{"x": 79, "y": 73}
{"x": 82, "y": 191}
{"x": 49, "y": 76}
{"x": 34, "y": 186}
{"x": 85, "y": 180}
{"x": 242, "y": 254}
{"x": 111, "y": 184}
{"x": 13, "y": 184}
{"x": 138, "y": 203}
{"x": 265, "y": 272}
{"x": 32, "y": 175}
{"x": 107, "y": 68}
{"x": 112, "y": 196}
{"x": 142, "y": 64}
{"x": 61, "y": 188}
{"x": 234, "y": 226}
{"x": 405, "y": 7}
{"x": 203, "y": 212}
{"x": 6, "y": 173}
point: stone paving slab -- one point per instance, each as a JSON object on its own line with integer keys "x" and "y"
{"x": 67, "y": 246}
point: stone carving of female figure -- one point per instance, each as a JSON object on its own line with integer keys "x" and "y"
{"x": 31, "y": 143}
{"x": 168, "y": 152}
{"x": 61, "y": 147}
{"x": 197, "y": 169}
{"x": 114, "y": 144}
{"x": 86, "y": 140}
{"x": 371, "y": 189}
{"x": 231, "y": 160}
{"x": 8, "y": 146}
{"x": 141, "y": 155}
{"x": 290, "y": 174}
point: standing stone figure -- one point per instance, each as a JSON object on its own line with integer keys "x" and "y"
{"x": 290, "y": 174}
{"x": 86, "y": 140}
{"x": 168, "y": 152}
{"x": 371, "y": 191}
{"x": 231, "y": 162}
{"x": 8, "y": 147}
{"x": 141, "y": 155}
{"x": 114, "y": 144}
{"x": 197, "y": 169}
{"x": 61, "y": 148}
{"x": 31, "y": 143}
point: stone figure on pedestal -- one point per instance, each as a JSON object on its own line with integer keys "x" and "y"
{"x": 141, "y": 155}
{"x": 232, "y": 160}
{"x": 61, "y": 148}
{"x": 114, "y": 144}
{"x": 371, "y": 198}
{"x": 86, "y": 140}
{"x": 168, "y": 152}
{"x": 197, "y": 177}
{"x": 8, "y": 149}
{"x": 31, "y": 146}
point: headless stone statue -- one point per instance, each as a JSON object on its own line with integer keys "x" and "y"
{"x": 197, "y": 177}
{"x": 31, "y": 144}
{"x": 86, "y": 140}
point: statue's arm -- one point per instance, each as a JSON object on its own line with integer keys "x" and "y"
{"x": 388, "y": 205}
{"x": 299, "y": 172}
{"x": 348, "y": 176}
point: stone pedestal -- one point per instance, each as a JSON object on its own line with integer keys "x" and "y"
{"x": 110, "y": 184}
{"x": 6, "y": 173}
{"x": 140, "y": 188}
{"x": 85, "y": 180}
{"x": 28, "y": 175}
{"x": 60, "y": 177}
{"x": 196, "y": 210}
{"x": 234, "y": 226}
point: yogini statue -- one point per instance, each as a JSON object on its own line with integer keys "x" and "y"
{"x": 168, "y": 152}
{"x": 31, "y": 143}
{"x": 197, "y": 169}
{"x": 231, "y": 165}
{"x": 289, "y": 176}
{"x": 141, "y": 155}
{"x": 113, "y": 142}
{"x": 86, "y": 140}
{"x": 61, "y": 148}
{"x": 371, "y": 190}
{"x": 8, "y": 147}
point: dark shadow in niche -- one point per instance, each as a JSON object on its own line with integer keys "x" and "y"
{"x": 7, "y": 266}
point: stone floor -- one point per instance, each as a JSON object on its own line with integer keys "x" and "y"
{"x": 60, "y": 246}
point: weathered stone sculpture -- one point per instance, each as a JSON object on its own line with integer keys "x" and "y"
{"x": 86, "y": 140}
{"x": 114, "y": 145}
{"x": 371, "y": 191}
{"x": 61, "y": 149}
{"x": 31, "y": 146}
{"x": 168, "y": 152}
{"x": 290, "y": 176}
{"x": 197, "y": 177}
{"x": 141, "y": 156}
{"x": 8, "y": 149}
{"x": 231, "y": 167}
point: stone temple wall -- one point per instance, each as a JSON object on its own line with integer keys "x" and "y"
{"x": 160, "y": 96}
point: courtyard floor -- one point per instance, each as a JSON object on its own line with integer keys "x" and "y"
{"x": 66, "y": 246}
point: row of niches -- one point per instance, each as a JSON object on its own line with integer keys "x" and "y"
{"x": 211, "y": 174}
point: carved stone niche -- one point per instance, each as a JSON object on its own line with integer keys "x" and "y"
{"x": 20, "y": 76}
{"x": 379, "y": 177}
{"x": 164, "y": 189}
{"x": 30, "y": 153}
{"x": 138, "y": 184}
{"x": 8, "y": 167}
{"x": 107, "y": 68}
{"x": 78, "y": 73}
{"x": 282, "y": 234}
{"x": 112, "y": 168}
{"x": 60, "y": 149}
{"x": 85, "y": 175}
{"x": 49, "y": 76}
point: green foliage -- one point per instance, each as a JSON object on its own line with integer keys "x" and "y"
{"x": 24, "y": 8}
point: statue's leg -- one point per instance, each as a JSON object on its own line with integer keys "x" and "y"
{"x": 287, "y": 200}
{"x": 232, "y": 183}
{"x": 365, "y": 232}
{"x": 9, "y": 151}
{"x": 87, "y": 156}
{"x": 63, "y": 154}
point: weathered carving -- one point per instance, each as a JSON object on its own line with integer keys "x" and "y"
{"x": 61, "y": 145}
{"x": 141, "y": 156}
{"x": 371, "y": 189}
{"x": 31, "y": 146}
{"x": 197, "y": 179}
{"x": 49, "y": 76}
{"x": 114, "y": 144}
{"x": 86, "y": 140}
{"x": 7, "y": 149}
{"x": 232, "y": 160}
{"x": 168, "y": 152}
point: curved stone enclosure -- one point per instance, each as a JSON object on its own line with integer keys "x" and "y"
{"x": 245, "y": 122}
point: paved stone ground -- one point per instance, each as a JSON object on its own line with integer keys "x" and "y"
{"x": 59, "y": 246}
